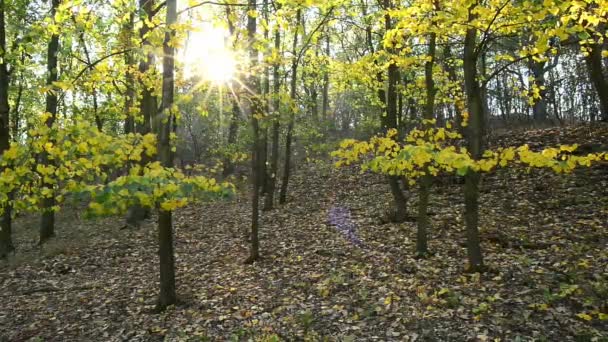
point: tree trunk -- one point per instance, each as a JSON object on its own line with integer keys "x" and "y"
{"x": 474, "y": 136}
{"x": 228, "y": 165}
{"x": 288, "y": 138}
{"x": 6, "y": 242}
{"x": 325, "y": 100}
{"x": 539, "y": 108}
{"x": 167, "y": 294}
{"x": 253, "y": 107}
{"x": 447, "y": 52}
{"x": 274, "y": 153}
{"x": 263, "y": 160}
{"x": 47, "y": 220}
{"x": 16, "y": 126}
{"x": 129, "y": 78}
{"x": 147, "y": 105}
{"x": 389, "y": 121}
{"x": 425, "y": 181}
{"x": 233, "y": 129}
{"x": 598, "y": 77}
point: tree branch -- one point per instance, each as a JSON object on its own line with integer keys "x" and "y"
{"x": 486, "y": 32}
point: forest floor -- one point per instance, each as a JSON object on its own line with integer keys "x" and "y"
{"x": 545, "y": 239}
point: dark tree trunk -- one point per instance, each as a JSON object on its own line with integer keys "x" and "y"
{"x": 147, "y": 104}
{"x": 425, "y": 181}
{"x": 47, "y": 221}
{"x": 16, "y": 118}
{"x": 539, "y": 108}
{"x": 274, "y": 153}
{"x": 233, "y": 128}
{"x": 389, "y": 121}
{"x": 474, "y": 137}
{"x": 325, "y": 100}
{"x": 253, "y": 107}
{"x": 129, "y": 78}
{"x": 263, "y": 160}
{"x": 6, "y": 242}
{"x": 232, "y": 135}
{"x": 289, "y": 136}
{"x": 447, "y": 52}
{"x": 166, "y": 255}
{"x": 98, "y": 120}
{"x": 598, "y": 77}
{"x": 314, "y": 105}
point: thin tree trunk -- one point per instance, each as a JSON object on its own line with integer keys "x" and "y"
{"x": 474, "y": 136}
{"x": 274, "y": 153}
{"x": 447, "y": 52}
{"x": 6, "y": 242}
{"x": 147, "y": 104}
{"x": 232, "y": 135}
{"x": 292, "y": 93}
{"x": 390, "y": 121}
{"x": 325, "y": 100}
{"x": 17, "y": 107}
{"x": 129, "y": 78}
{"x": 47, "y": 221}
{"x": 425, "y": 181}
{"x": 233, "y": 129}
{"x": 167, "y": 295}
{"x": 252, "y": 109}
{"x": 263, "y": 160}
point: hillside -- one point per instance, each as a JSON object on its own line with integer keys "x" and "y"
{"x": 544, "y": 236}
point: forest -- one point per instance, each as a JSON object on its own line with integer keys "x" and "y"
{"x": 304, "y": 170}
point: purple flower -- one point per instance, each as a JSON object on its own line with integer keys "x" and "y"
{"x": 340, "y": 218}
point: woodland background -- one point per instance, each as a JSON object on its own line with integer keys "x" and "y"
{"x": 303, "y": 170}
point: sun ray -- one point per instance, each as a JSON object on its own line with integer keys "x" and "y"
{"x": 206, "y": 55}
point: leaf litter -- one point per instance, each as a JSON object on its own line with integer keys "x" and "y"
{"x": 330, "y": 270}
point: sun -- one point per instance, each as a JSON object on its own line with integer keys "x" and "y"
{"x": 206, "y": 55}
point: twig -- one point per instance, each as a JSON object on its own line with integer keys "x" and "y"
{"x": 48, "y": 290}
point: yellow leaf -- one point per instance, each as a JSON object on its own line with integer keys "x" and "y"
{"x": 584, "y": 316}
{"x": 11, "y": 153}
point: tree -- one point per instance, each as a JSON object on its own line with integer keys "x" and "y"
{"x": 292, "y": 95}
{"x": 594, "y": 57}
{"x": 47, "y": 221}
{"x": 474, "y": 135}
{"x": 147, "y": 102}
{"x": 276, "y": 123}
{"x": 6, "y": 242}
{"x": 167, "y": 294}
{"x": 429, "y": 115}
{"x": 252, "y": 105}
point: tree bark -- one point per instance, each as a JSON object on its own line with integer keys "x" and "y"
{"x": 167, "y": 295}
{"x": 129, "y": 78}
{"x": 147, "y": 105}
{"x": 598, "y": 77}
{"x": 539, "y": 108}
{"x": 274, "y": 153}
{"x": 474, "y": 136}
{"x": 389, "y": 121}
{"x": 6, "y": 242}
{"x": 263, "y": 160}
{"x": 292, "y": 114}
{"x": 425, "y": 181}
{"x": 325, "y": 100}
{"x": 233, "y": 129}
{"x": 447, "y": 53}
{"x": 47, "y": 220}
{"x": 253, "y": 108}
